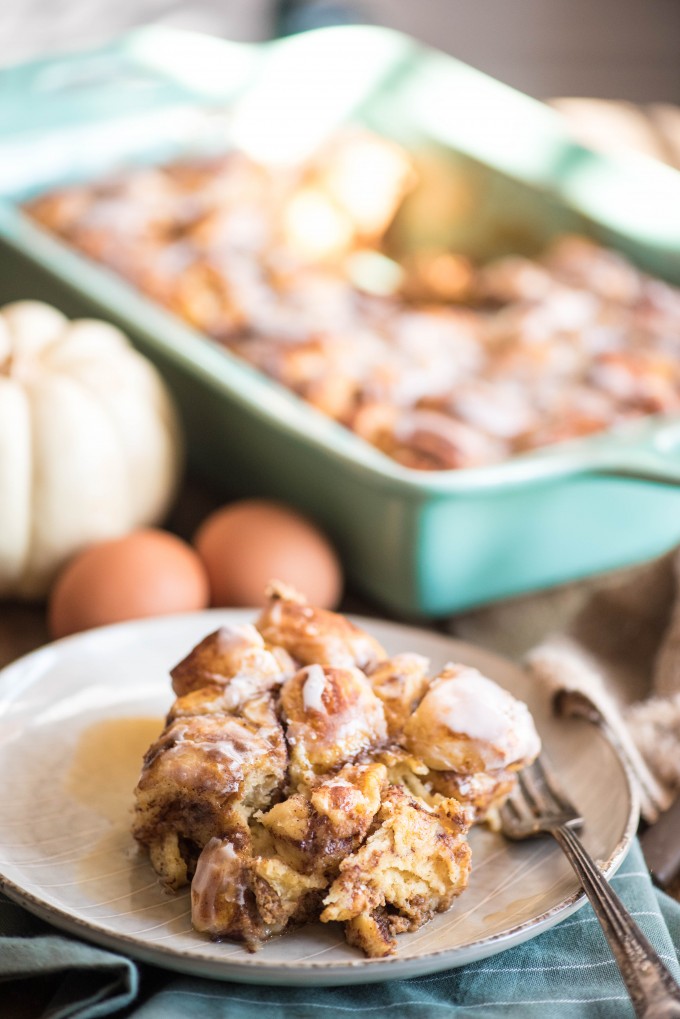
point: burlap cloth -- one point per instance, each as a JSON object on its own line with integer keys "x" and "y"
{"x": 617, "y": 638}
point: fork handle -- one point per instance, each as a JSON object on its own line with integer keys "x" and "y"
{"x": 653, "y": 991}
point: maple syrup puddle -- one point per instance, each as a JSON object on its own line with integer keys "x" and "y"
{"x": 105, "y": 769}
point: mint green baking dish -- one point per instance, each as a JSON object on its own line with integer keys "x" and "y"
{"x": 420, "y": 544}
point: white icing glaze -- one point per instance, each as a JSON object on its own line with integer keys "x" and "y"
{"x": 237, "y": 636}
{"x": 410, "y": 660}
{"x": 243, "y": 687}
{"x": 363, "y": 726}
{"x": 313, "y": 688}
{"x": 225, "y": 748}
{"x": 470, "y": 704}
{"x": 184, "y": 739}
{"x": 218, "y": 877}
{"x": 390, "y": 689}
{"x": 499, "y": 411}
{"x": 337, "y": 783}
{"x": 391, "y": 677}
{"x": 275, "y": 613}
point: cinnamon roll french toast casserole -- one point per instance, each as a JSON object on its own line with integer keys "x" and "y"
{"x": 303, "y": 774}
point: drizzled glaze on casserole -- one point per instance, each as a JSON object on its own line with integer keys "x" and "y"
{"x": 339, "y": 789}
{"x": 440, "y": 363}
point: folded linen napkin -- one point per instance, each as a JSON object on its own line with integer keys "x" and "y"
{"x": 623, "y": 650}
{"x": 565, "y": 972}
{"x": 43, "y": 972}
{"x": 616, "y": 639}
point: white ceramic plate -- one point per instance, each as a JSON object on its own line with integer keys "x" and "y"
{"x": 75, "y": 719}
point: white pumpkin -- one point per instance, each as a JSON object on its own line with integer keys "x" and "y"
{"x": 89, "y": 442}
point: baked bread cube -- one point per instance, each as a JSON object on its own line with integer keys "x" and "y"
{"x": 246, "y": 897}
{"x": 315, "y": 830}
{"x": 331, "y": 716}
{"x": 315, "y": 636}
{"x": 203, "y": 778}
{"x": 467, "y": 723}
{"x": 413, "y": 866}
{"x": 234, "y": 657}
{"x": 400, "y": 683}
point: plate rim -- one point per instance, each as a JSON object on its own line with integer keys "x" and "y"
{"x": 361, "y": 970}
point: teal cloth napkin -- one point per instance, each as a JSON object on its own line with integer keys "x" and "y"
{"x": 566, "y": 972}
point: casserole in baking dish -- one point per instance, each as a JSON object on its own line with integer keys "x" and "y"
{"x": 499, "y": 176}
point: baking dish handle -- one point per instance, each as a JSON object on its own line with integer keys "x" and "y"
{"x": 660, "y": 476}
{"x": 656, "y": 459}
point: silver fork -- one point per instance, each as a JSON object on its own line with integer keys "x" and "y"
{"x": 538, "y": 806}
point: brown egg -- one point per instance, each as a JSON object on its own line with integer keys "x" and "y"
{"x": 146, "y": 573}
{"x": 246, "y": 544}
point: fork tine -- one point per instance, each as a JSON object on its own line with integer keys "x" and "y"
{"x": 537, "y": 804}
{"x": 519, "y": 805}
{"x": 552, "y": 787}
{"x": 534, "y": 796}
{"x": 650, "y": 985}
